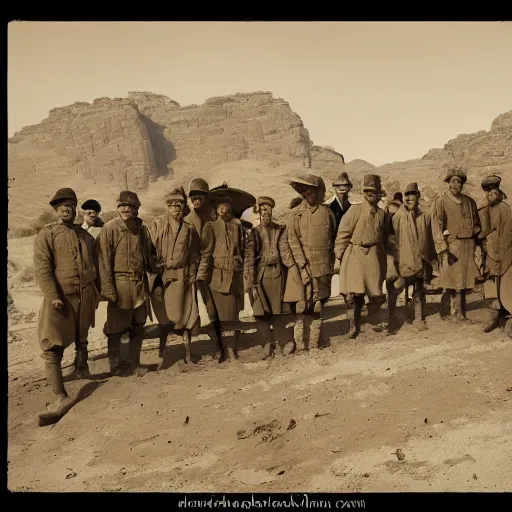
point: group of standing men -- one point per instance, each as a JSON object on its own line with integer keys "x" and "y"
{"x": 285, "y": 268}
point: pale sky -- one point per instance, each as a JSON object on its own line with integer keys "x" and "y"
{"x": 381, "y": 92}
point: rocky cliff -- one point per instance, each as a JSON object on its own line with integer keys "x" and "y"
{"x": 111, "y": 144}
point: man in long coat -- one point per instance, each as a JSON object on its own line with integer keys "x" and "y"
{"x": 267, "y": 275}
{"x": 496, "y": 220}
{"x": 222, "y": 268}
{"x": 126, "y": 256}
{"x": 65, "y": 271}
{"x": 415, "y": 251}
{"x": 455, "y": 228}
{"x": 177, "y": 246}
{"x": 203, "y": 210}
{"x": 294, "y": 291}
{"x": 361, "y": 245}
{"x": 311, "y": 237}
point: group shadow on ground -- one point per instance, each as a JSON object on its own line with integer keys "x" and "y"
{"x": 336, "y": 324}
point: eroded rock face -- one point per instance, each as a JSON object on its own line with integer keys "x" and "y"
{"x": 128, "y": 143}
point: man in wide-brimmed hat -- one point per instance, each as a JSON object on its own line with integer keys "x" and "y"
{"x": 361, "y": 246}
{"x": 92, "y": 220}
{"x": 311, "y": 235}
{"x": 412, "y": 232}
{"x": 173, "y": 296}
{"x": 339, "y": 203}
{"x": 223, "y": 255}
{"x": 126, "y": 256}
{"x": 66, "y": 272}
{"x": 496, "y": 220}
{"x": 455, "y": 227}
{"x": 267, "y": 277}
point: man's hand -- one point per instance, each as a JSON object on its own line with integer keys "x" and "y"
{"x": 337, "y": 265}
{"x": 305, "y": 275}
{"x": 159, "y": 294}
{"x": 57, "y": 304}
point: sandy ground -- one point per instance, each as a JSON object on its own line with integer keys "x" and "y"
{"x": 302, "y": 423}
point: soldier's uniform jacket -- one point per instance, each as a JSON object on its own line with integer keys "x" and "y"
{"x": 311, "y": 236}
{"x": 125, "y": 256}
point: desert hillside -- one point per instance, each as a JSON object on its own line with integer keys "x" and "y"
{"x": 148, "y": 142}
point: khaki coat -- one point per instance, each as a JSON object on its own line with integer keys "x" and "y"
{"x": 178, "y": 247}
{"x": 455, "y": 228}
{"x": 125, "y": 258}
{"x": 311, "y": 236}
{"x": 267, "y": 271}
{"x": 414, "y": 243}
{"x": 223, "y": 252}
{"x": 65, "y": 269}
{"x": 362, "y": 245}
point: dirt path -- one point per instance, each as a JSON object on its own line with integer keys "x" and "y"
{"x": 332, "y": 422}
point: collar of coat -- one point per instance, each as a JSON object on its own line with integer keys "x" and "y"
{"x": 457, "y": 200}
{"x": 334, "y": 198}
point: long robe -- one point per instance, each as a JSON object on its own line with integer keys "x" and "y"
{"x": 177, "y": 245}
{"x": 267, "y": 270}
{"x": 498, "y": 261}
{"x": 415, "y": 244}
{"x": 361, "y": 245}
{"x": 224, "y": 250}
{"x": 457, "y": 217}
{"x": 65, "y": 269}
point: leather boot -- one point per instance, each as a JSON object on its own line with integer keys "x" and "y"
{"x": 215, "y": 333}
{"x": 266, "y": 335}
{"x": 232, "y": 347}
{"x": 55, "y": 379}
{"x": 419, "y": 320}
{"x": 81, "y": 365}
{"x": 136, "y": 340}
{"x": 114, "y": 354}
{"x": 392, "y": 298}
{"x": 457, "y": 307}
{"x": 355, "y": 327}
{"x": 187, "y": 342}
{"x": 298, "y": 334}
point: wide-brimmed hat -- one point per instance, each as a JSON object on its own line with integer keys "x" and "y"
{"x": 91, "y": 204}
{"x": 342, "y": 179}
{"x": 128, "y": 197}
{"x": 240, "y": 200}
{"x": 299, "y": 181}
{"x": 63, "y": 194}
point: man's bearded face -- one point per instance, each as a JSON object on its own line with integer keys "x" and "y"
{"x": 224, "y": 211}
{"x": 411, "y": 200}
{"x": 265, "y": 214}
{"x": 176, "y": 208}
{"x": 455, "y": 185}
{"x": 493, "y": 195}
{"x": 66, "y": 211}
{"x": 372, "y": 196}
{"x": 127, "y": 211}
{"x": 90, "y": 217}
{"x": 197, "y": 201}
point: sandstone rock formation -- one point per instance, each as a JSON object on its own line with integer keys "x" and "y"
{"x": 118, "y": 143}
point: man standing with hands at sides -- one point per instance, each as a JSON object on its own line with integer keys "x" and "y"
{"x": 415, "y": 252}
{"x": 126, "y": 256}
{"x": 174, "y": 296}
{"x": 311, "y": 235}
{"x": 455, "y": 228}
{"x": 361, "y": 245}
{"x": 65, "y": 270}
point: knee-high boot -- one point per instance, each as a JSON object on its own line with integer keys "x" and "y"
{"x": 114, "y": 354}
{"x": 355, "y": 327}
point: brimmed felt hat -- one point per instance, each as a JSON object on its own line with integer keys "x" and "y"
{"x": 342, "y": 179}
{"x": 198, "y": 186}
{"x": 63, "y": 194}
{"x": 371, "y": 182}
{"x": 491, "y": 181}
{"x": 128, "y": 197}
{"x": 177, "y": 193}
{"x": 302, "y": 180}
{"x": 412, "y": 188}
